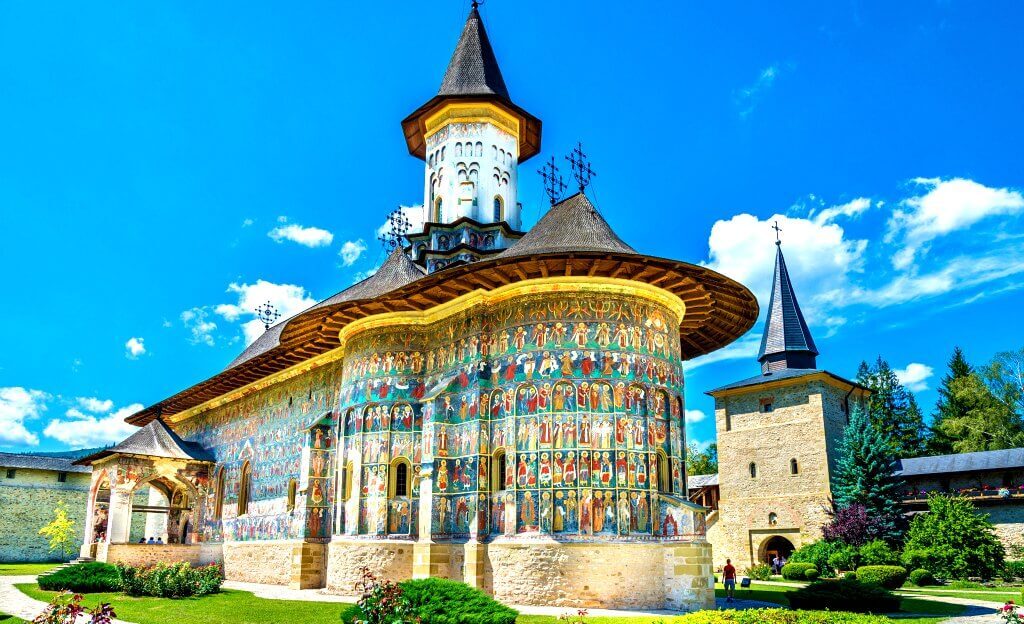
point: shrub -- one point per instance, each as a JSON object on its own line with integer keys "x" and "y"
{"x": 778, "y": 616}
{"x": 176, "y": 580}
{"x": 922, "y": 577}
{"x": 795, "y": 571}
{"x": 760, "y": 572}
{"x": 877, "y": 553}
{"x": 441, "y": 601}
{"x": 852, "y": 525}
{"x": 844, "y": 595}
{"x": 82, "y": 578}
{"x": 811, "y": 574}
{"x": 851, "y": 575}
{"x": 913, "y": 558}
{"x": 817, "y": 554}
{"x": 960, "y": 542}
{"x": 889, "y": 577}
{"x": 1012, "y": 570}
{"x": 846, "y": 558}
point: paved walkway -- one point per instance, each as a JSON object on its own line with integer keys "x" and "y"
{"x": 13, "y": 602}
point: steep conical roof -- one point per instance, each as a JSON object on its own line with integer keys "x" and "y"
{"x": 154, "y": 440}
{"x": 787, "y": 342}
{"x": 570, "y": 226}
{"x": 473, "y": 69}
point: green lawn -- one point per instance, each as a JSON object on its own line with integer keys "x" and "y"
{"x": 991, "y": 595}
{"x": 19, "y": 569}
{"x": 10, "y": 619}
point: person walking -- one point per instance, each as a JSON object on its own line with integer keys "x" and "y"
{"x": 729, "y": 580}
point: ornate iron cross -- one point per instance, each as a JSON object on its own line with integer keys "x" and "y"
{"x": 778, "y": 230}
{"x": 268, "y": 314}
{"x": 580, "y": 166}
{"x": 554, "y": 185}
{"x": 398, "y": 226}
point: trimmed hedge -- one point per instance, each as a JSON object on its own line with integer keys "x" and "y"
{"x": 887, "y": 576}
{"x": 922, "y": 577}
{"x": 779, "y": 616}
{"x": 441, "y": 601}
{"x": 82, "y": 578}
{"x": 844, "y": 595}
{"x": 795, "y": 571}
{"x": 177, "y": 580}
{"x": 811, "y": 574}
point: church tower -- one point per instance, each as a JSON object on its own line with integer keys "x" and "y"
{"x": 471, "y": 137}
{"x": 778, "y": 439}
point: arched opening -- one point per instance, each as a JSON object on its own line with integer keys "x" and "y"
{"x": 400, "y": 483}
{"x": 218, "y": 501}
{"x": 794, "y": 466}
{"x": 244, "y": 487}
{"x": 499, "y": 212}
{"x": 346, "y": 482}
{"x": 100, "y": 509}
{"x": 753, "y": 470}
{"x": 775, "y": 547}
{"x": 293, "y": 487}
{"x": 499, "y": 466}
{"x": 773, "y": 518}
{"x": 437, "y": 209}
{"x": 664, "y": 476}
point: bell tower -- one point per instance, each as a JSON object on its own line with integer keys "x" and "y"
{"x": 471, "y": 137}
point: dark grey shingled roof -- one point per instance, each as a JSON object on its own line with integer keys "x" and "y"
{"x": 36, "y": 462}
{"x": 695, "y": 482}
{"x": 962, "y": 462}
{"x": 785, "y": 329}
{"x": 572, "y": 225}
{"x": 473, "y": 69}
{"x": 785, "y": 373}
{"x": 397, "y": 271}
{"x": 154, "y": 440}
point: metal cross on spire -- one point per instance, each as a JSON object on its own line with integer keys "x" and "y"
{"x": 398, "y": 226}
{"x": 580, "y": 166}
{"x": 268, "y": 314}
{"x": 778, "y": 231}
{"x": 554, "y": 185}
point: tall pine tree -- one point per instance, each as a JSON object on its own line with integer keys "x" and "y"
{"x": 893, "y": 409}
{"x": 950, "y": 406}
{"x": 866, "y": 475}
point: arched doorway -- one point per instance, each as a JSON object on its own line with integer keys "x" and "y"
{"x": 776, "y": 546}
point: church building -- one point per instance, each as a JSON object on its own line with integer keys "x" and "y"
{"x": 497, "y": 406}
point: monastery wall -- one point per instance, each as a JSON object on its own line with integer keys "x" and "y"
{"x": 27, "y": 502}
{"x": 387, "y": 559}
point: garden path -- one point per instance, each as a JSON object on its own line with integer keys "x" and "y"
{"x": 15, "y": 603}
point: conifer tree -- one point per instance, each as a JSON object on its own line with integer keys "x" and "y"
{"x": 948, "y": 405}
{"x": 893, "y": 409}
{"x": 866, "y": 475}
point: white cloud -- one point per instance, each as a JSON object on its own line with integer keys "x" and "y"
{"x": 850, "y": 210}
{"x": 748, "y": 98}
{"x": 915, "y": 376}
{"x": 134, "y": 348}
{"x": 288, "y": 299}
{"x": 351, "y": 250}
{"x": 743, "y": 349}
{"x": 94, "y": 405}
{"x": 306, "y": 236}
{"x": 80, "y": 430}
{"x": 18, "y": 405}
{"x": 414, "y": 214}
{"x": 694, "y": 416}
{"x": 201, "y": 328}
{"x": 946, "y": 206}
{"x": 247, "y": 223}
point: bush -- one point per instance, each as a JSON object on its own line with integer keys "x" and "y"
{"x": 778, "y": 616}
{"x": 795, "y": 571}
{"x": 922, "y": 577}
{"x": 960, "y": 542}
{"x": 176, "y": 580}
{"x": 817, "y": 554}
{"x": 852, "y": 525}
{"x": 1012, "y": 570}
{"x": 877, "y": 553}
{"x": 913, "y": 558}
{"x": 851, "y": 575}
{"x": 887, "y": 576}
{"x": 760, "y": 572}
{"x": 846, "y": 558}
{"x": 844, "y": 595}
{"x": 811, "y": 574}
{"x": 440, "y": 601}
{"x": 82, "y": 578}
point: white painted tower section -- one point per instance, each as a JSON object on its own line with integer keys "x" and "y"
{"x": 472, "y": 171}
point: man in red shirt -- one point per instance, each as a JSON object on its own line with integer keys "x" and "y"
{"x": 729, "y": 580}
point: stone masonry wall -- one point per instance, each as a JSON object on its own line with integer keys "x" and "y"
{"x": 259, "y": 562}
{"x": 1009, "y": 521}
{"x": 145, "y": 555}
{"x": 26, "y": 504}
{"x": 388, "y": 559}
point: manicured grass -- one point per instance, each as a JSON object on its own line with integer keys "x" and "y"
{"x": 992, "y": 595}
{"x": 10, "y": 619}
{"x": 21, "y": 569}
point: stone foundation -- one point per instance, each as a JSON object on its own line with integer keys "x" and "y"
{"x": 388, "y": 559}
{"x": 260, "y": 561}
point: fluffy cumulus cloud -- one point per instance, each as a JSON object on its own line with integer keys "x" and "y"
{"x": 915, "y": 376}
{"x": 201, "y": 328}
{"x": 303, "y": 235}
{"x": 97, "y": 406}
{"x": 134, "y": 348}
{"x": 288, "y": 299}
{"x": 413, "y": 214}
{"x": 100, "y": 427}
{"x": 18, "y": 406}
{"x": 350, "y": 251}
{"x": 694, "y": 416}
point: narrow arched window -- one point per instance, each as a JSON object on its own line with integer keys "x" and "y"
{"x": 499, "y": 464}
{"x": 794, "y": 466}
{"x": 346, "y": 482}
{"x": 293, "y": 487}
{"x": 244, "y": 488}
{"x": 753, "y": 470}
{"x": 400, "y": 480}
{"x": 664, "y": 476}
{"x": 498, "y": 211}
{"x": 458, "y": 149}
{"x": 479, "y": 148}
{"x": 773, "y": 519}
{"x": 218, "y": 501}
{"x": 437, "y": 210}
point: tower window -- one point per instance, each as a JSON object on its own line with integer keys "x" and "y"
{"x": 437, "y": 210}
{"x": 794, "y": 467}
{"x": 773, "y": 519}
{"x": 753, "y": 470}
{"x": 11, "y": 472}
{"x": 62, "y": 477}
{"x": 767, "y": 405}
{"x": 498, "y": 212}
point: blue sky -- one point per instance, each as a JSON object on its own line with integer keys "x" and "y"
{"x": 160, "y": 161}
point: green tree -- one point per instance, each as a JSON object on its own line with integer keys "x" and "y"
{"x": 60, "y": 531}
{"x": 959, "y": 541}
{"x": 893, "y": 408}
{"x": 1005, "y": 377}
{"x": 866, "y": 475}
{"x": 700, "y": 462}
{"x": 948, "y": 405}
{"x": 987, "y": 423}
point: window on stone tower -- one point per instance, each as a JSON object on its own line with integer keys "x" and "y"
{"x": 766, "y": 405}
{"x": 499, "y": 464}
{"x": 62, "y": 477}
{"x": 479, "y": 148}
{"x": 437, "y": 210}
{"x": 244, "y": 488}
{"x": 11, "y": 472}
{"x": 773, "y": 519}
{"x": 794, "y": 466}
{"x": 293, "y": 487}
{"x": 664, "y": 475}
{"x": 753, "y": 470}
{"x": 458, "y": 149}
{"x": 400, "y": 478}
{"x": 498, "y": 216}
{"x": 218, "y": 501}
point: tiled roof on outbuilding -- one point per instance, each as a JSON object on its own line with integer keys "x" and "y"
{"x": 1006, "y": 459}
{"x": 154, "y": 440}
{"x": 37, "y": 462}
{"x": 779, "y": 375}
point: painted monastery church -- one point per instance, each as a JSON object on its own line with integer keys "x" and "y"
{"x": 495, "y": 406}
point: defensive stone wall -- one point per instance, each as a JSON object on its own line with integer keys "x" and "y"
{"x": 26, "y": 504}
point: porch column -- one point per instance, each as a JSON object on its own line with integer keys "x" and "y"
{"x": 119, "y": 515}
